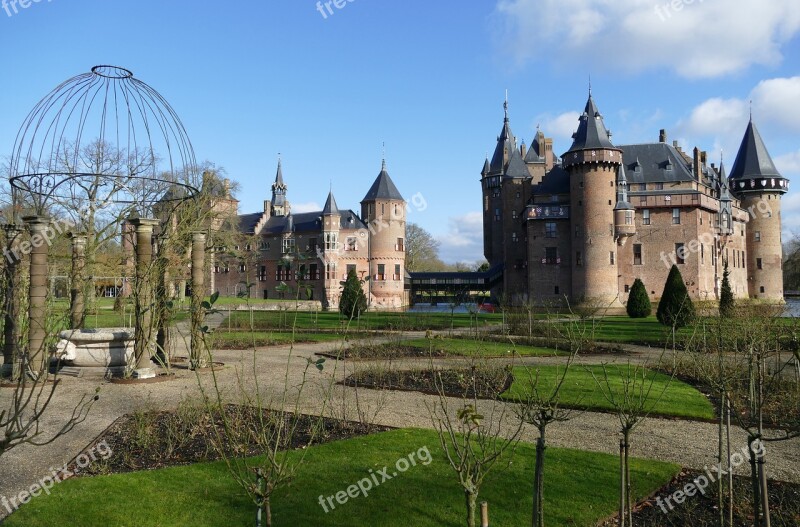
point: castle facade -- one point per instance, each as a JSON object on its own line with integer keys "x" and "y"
{"x": 580, "y": 228}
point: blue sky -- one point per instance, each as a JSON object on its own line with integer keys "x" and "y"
{"x": 252, "y": 79}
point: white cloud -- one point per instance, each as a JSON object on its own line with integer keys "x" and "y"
{"x": 311, "y": 206}
{"x": 695, "y": 38}
{"x": 788, "y": 164}
{"x": 463, "y": 242}
{"x": 561, "y": 126}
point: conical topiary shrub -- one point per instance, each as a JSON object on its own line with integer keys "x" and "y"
{"x": 727, "y": 304}
{"x": 675, "y": 308}
{"x": 638, "y": 302}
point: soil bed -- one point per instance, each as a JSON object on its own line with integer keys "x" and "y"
{"x": 488, "y": 383}
{"x": 383, "y": 351}
{"x": 152, "y": 440}
{"x": 701, "y": 510}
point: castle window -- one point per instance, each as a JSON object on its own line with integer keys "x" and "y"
{"x": 349, "y": 268}
{"x": 351, "y": 244}
{"x": 262, "y": 274}
{"x": 517, "y": 193}
{"x": 330, "y": 271}
{"x": 400, "y": 245}
{"x": 331, "y": 241}
{"x": 555, "y": 291}
{"x": 551, "y": 255}
{"x": 242, "y": 268}
{"x": 611, "y": 257}
{"x": 761, "y": 289}
{"x": 514, "y": 237}
{"x": 627, "y": 288}
{"x": 642, "y": 200}
{"x": 578, "y": 259}
{"x": 676, "y": 216}
{"x": 486, "y": 204}
{"x": 264, "y": 246}
{"x": 314, "y": 271}
{"x": 551, "y": 231}
{"x": 577, "y": 232}
{"x": 248, "y": 247}
{"x": 381, "y": 272}
{"x": 757, "y": 235}
{"x": 680, "y": 253}
{"x": 496, "y": 214}
{"x": 514, "y": 214}
{"x": 397, "y": 271}
{"x": 554, "y": 198}
{"x": 216, "y": 269}
{"x": 637, "y": 254}
{"x": 580, "y": 184}
{"x": 628, "y": 217}
{"x": 758, "y": 263}
{"x": 702, "y": 254}
{"x": 288, "y": 245}
{"x": 659, "y": 186}
{"x": 312, "y": 245}
{"x": 643, "y": 186}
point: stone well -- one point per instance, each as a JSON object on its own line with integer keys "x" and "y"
{"x": 104, "y": 351}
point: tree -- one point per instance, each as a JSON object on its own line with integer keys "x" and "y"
{"x": 638, "y": 301}
{"x": 675, "y": 307}
{"x": 726, "y": 302}
{"x": 422, "y": 249}
{"x": 353, "y": 301}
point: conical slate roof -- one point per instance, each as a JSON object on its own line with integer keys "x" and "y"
{"x": 622, "y": 190}
{"x": 753, "y": 160}
{"x": 516, "y": 166}
{"x": 383, "y": 187}
{"x": 279, "y": 178}
{"x": 506, "y": 143}
{"x": 330, "y": 205}
{"x": 591, "y": 132}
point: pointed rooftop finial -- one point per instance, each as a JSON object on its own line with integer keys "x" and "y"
{"x": 751, "y": 110}
{"x": 590, "y": 85}
{"x": 505, "y": 106}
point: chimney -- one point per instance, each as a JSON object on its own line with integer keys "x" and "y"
{"x": 522, "y": 149}
{"x": 227, "y": 186}
{"x": 696, "y": 164}
{"x": 662, "y": 136}
{"x": 703, "y": 158}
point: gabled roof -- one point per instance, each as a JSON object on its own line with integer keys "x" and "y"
{"x": 516, "y": 166}
{"x": 248, "y": 222}
{"x": 753, "y": 160}
{"x": 591, "y": 131}
{"x": 535, "y": 152}
{"x": 556, "y": 181}
{"x": 330, "y": 205}
{"x": 383, "y": 188}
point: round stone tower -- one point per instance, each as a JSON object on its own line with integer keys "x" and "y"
{"x": 593, "y": 164}
{"x": 383, "y": 209}
{"x": 758, "y": 184}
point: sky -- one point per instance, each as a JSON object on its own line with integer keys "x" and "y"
{"x": 333, "y": 90}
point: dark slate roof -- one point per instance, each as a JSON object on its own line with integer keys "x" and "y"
{"x": 330, "y": 205}
{"x": 383, "y": 188}
{"x": 534, "y": 153}
{"x": 753, "y": 160}
{"x": 279, "y": 177}
{"x": 248, "y": 222}
{"x": 591, "y": 132}
{"x": 654, "y": 160}
{"x": 506, "y": 143}
{"x": 310, "y": 222}
{"x": 485, "y": 167}
{"x": 724, "y": 190}
{"x": 516, "y": 166}
{"x": 622, "y": 190}
{"x": 554, "y": 182}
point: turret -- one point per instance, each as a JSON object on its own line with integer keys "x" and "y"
{"x": 624, "y": 226}
{"x": 279, "y": 203}
{"x": 331, "y": 225}
{"x": 384, "y": 210}
{"x": 758, "y": 184}
{"x": 593, "y": 164}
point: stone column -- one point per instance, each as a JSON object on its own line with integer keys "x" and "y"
{"x": 198, "y": 356}
{"x": 77, "y": 304}
{"x": 11, "y": 363}
{"x": 37, "y": 355}
{"x": 143, "y": 298}
{"x": 162, "y": 298}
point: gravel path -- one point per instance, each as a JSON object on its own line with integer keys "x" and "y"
{"x": 691, "y": 444}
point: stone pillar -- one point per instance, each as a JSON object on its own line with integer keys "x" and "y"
{"x": 37, "y": 355}
{"x": 11, "y": 362}
{"x": 143, "y": 297}
{"x": 162, "y": 299}
{"x": 77, "y": 304}
{"x": 198, "y": 356}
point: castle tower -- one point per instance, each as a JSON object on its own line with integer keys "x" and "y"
{"x": 384, "y": 211}
{"x": 593, "y": 163}
{"x": 624, "y": 226}
{"x": 280, "y": 205}
{"x": 758, "y": 184}
{"x": 331, "y": 224}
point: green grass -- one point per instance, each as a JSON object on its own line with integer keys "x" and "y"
{"x": 373, "y": 320}
{"x": 580, "y": 390}
{"x": 580, "y": 489}
{"x": 489, "y": 348}
{"x": 627, "y": 330}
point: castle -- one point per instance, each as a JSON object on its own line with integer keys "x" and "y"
{"x": 581, "y": 228}
{"x": 308, "y": 255}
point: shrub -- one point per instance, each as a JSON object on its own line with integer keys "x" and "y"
{"x": 726, "y": 302}
{"x": 638, "y": 302}
{"x": 675, "y": 307}
{"x": 353, "y": 301}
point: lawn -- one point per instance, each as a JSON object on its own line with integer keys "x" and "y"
{"x": 580, "y": 390}
{"x": 580, "y": 489}
{"x": 372, "y": 320}
{"x": 259, "y": 339}
{"x": 481, "y": 348}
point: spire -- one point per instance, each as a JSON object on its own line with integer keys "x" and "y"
{"x": 383, "y": 187}
{"x": 485, "y": 167}
{"x": 506, "y": 142}
{"x": 724, "y": 190}
{"x": 279, "y": 177}
{"x": 622, "y": 190}
{"x": 280, "y": 206}
{"x": 591, "y": 131}
{"x": 330, "y": 205}
{"x": 753, "y": 168}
